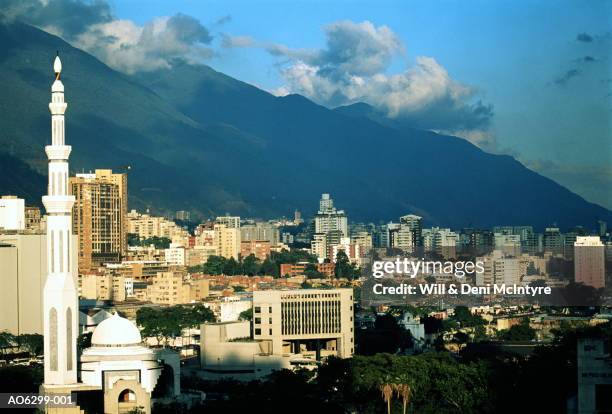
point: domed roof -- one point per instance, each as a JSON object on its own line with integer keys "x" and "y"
{"x": 116, "y": 331}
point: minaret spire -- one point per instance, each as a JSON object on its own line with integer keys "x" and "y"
{"x": 60, "y": 302}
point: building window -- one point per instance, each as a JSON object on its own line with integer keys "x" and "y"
{"x": 257, "y": 331}
{"x": 270, "y": 309}
{"x": 270, "y": 331}
{"x": 257, "y": 309}
{"x": 257, "y": 320}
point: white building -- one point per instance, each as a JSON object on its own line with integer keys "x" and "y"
{"x": 316, "y": 322}
{"x": 329, "y": 218}
{"x": 12, "y": 213}
{"x": 498, "y": 269}
{"x": 175, "y": 255}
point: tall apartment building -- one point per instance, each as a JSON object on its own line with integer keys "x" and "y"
{"x": 231, "y": 222}
{"x": 414, "y": 223}
{"x": 329, "y": 218}
{"x": 499, "y": 269}
{"x": 227, "y": 241}
{"x": 100, "y": 217}
{"x": 589, "y": 261}
{"x": 318, "y": 246}
{"x": 297, "y": 321}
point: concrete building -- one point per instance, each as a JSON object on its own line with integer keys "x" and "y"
{"x": 231, "y": 222}
{"x": 318, "y": 246}
{"x": 415, "y": 224}
{"x": 12, "y": 213}
{"x": 23, "y": 273}
{"x": 328, "y": 218}
{"x": 168, "y": 288}
{"x": 258, "y": 248}
{"x": 259, "y": 231}
{"x": 589, "y": 261}
{"x": 499, "y": 269}
{"x": 227, "y": 240}
{"x": 175, "y": 255}
{"x": 594, "y": 378}
{"x": 298, "y": 269}
{"x": 298, "y": 321}
{"x": 147, "y": 226}
{"x": 99, "y": 217}
{"x": 33, "y": 219}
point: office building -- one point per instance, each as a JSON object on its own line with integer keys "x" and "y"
{"x": 589, "y": 261}
{"x": 309, "y": 320}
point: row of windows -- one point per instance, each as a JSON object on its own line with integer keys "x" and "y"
{"x": 316, "y": 317}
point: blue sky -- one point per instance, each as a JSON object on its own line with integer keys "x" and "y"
{"x": 511, "y": 51}
{"x": 532, "y": 79}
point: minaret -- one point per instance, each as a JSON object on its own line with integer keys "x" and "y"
{"x": 60, "y": 302}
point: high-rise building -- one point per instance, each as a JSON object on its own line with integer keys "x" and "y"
{"x": 297, "y": 218}
{"x": 589, "y": 261}
{"x": 553, "y": 240}
{"x": 415, "y": 224}
{"x": 12, "y": 213}
{"x": 231, "y": 222}
{"x": 100, "y": 217}
{"x": 60, "y": 302}
{"x": 329, "y": 218}
{"x": 227, "y": 241}
{"x": 498, "y": 270}
{"x": 183, "y": 215}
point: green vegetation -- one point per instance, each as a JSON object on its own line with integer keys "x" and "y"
{"x": 158, "y": 242}
{"x": 166, "y": 323}
{"x": 429, "y": 383}
{"x": 250, "y": 265}
{"x": 520, "y": 332}
{"x": 344, "y": 269}
{"x": 30, "y": 343}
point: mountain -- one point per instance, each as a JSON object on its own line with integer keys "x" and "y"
{"x": 202, "y": 141}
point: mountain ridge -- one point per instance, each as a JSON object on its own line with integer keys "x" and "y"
{"x": 211, "y": 144}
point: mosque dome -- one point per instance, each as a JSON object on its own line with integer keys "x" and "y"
{"x": 116, "y": 331}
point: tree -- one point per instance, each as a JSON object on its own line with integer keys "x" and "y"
{"x": 7, "y": 340}
{"x": 386, "y": 391}
{"x": 246, "y": 315}
{"x": 32, "y": 343}
{"x": 344, "y": 268}
{"x": 520, "y": 332}
{"x": 311, "y": 272}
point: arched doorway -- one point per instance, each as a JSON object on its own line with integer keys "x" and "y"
{"x": 127, "y": 401}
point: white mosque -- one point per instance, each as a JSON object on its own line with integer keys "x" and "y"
{"x": 117, "y": 371}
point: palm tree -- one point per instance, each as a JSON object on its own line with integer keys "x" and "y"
{"x": 387, "y": 394}
{"x": 403, "y": 391}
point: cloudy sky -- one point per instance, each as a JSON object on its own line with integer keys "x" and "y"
{"x": 528, "y": 78}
